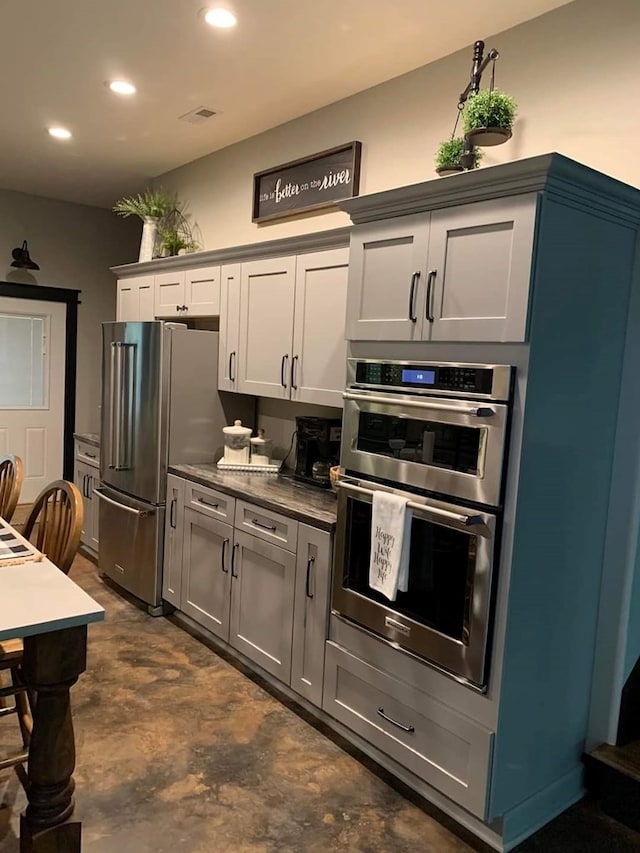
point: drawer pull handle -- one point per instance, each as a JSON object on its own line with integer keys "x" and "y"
{"x": 206, "y": 503}
{"x": 382, "y": 714}
{"x": 268, "y": 527}
{"x": 90, "y": 455}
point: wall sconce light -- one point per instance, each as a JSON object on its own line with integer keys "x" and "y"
{"x": 21, "y": 258}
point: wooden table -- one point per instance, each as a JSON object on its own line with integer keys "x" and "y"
{"x": 51, "y": 613}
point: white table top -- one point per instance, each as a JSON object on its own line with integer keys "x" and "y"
{"x": 38, "y": 597}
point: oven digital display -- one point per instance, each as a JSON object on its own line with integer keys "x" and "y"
{"x": 419, "y": 377}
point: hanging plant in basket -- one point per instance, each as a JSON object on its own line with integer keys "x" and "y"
{"x": 449, "y": 157}
{"x": 488, "y": 117}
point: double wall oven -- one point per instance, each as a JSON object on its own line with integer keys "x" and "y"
{"x": 435, "y": 434}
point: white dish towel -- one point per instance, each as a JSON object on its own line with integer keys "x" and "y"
{"x": 390, "y": 544}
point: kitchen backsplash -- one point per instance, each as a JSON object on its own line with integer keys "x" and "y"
{"x": 278, "y": 419}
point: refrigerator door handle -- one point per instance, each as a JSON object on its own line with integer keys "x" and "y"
{"x": 123, "y": 392}
{"x": 113, "y": 396}
{"x": 141, "y": 513}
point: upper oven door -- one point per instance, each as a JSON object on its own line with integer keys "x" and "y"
{"x": 453, "y": 447}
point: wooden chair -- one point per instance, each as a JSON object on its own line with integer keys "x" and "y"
{"x": 10, "y": 485}
{"x": 53, "y": 526}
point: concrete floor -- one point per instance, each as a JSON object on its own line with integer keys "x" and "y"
{"x": 178, "y": 750}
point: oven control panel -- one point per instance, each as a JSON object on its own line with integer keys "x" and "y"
{"x": 474, "y": 380}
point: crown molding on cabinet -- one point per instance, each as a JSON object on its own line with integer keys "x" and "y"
{"x": 332, "y": 239}
{"x": 554, "y": 174}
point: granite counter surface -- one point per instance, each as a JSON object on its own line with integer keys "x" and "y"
{"x": 307, "y": 504}
{"x": 88, "y": 438}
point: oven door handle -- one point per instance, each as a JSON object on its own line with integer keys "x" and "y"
{"x": 435, "y": 511}
{"x": 475, "y": 411}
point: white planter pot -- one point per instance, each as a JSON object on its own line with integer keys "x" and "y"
{"x": 148, "y": 241}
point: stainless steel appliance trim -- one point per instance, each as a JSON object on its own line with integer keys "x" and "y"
{"x": 421, "y": 509}
{"x": 474, "y": 411}
{"x": 500, "y": 391}
{"x": 464, "y": 660}
{"x": 482, "y": 487}
{"x": 141, "y": 513}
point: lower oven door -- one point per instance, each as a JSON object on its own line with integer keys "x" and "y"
{"x": 444, "y": 616}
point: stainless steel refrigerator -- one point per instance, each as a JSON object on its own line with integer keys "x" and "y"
{"x": 160, "y": 405}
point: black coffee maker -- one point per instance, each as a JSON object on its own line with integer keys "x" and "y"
{"x": 318, "y": 449}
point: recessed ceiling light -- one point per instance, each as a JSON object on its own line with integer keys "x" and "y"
{"x": 59, "y": 132}
{"x": 121, "y": 87}
{"x": 220, "y": 17}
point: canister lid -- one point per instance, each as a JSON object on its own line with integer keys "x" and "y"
{"x": 259, "y": 440}
{"x": 236, "y": 429}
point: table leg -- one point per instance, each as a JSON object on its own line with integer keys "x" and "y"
{"x": 52, "y": 665}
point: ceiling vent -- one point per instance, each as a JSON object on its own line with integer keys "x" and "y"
{"x": 198, "y": 115}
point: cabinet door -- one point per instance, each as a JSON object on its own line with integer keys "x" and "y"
{"x": 480, "y": 259}
{"x": 387, "y": 265}
{"x": 229, "y": 327}
{"x": 266, "y": 327}
{"x": 206, "y": 556}
{"x": 94, "y": 514}
{"x": 202, "y": 292}
{"x": 133, "y": 297}
{"x": 170, "y": 294}
{"x": 262, "y": 594}
{"x": 318, "y": 367}
{"x": 146, "y": 298}
{"x": 311, "y": 612}
{"x": 173, "y": 537}
{"x": 82, "y": 474}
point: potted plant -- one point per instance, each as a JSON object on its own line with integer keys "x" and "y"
{"x": 449, "y": 157}
{"x": 151, "y": 207}
{"x": 488, "y": 117}
{"x": 173, "y": 241}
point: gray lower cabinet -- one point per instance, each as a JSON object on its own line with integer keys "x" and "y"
{"x": 435, "y": 742}
{"x": 262, "y": 600}
{"x": 457, "y": 274}
{"x": 206, "y": 576}
{"x": 311, "y": 612}
{"x": 86, "y": 478}
{"x": 173, "y": 539}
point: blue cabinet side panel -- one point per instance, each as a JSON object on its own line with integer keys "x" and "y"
{"x": 577, "y": 336}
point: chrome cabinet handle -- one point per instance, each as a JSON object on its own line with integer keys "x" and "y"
{"x": 430, "y": 281}
{"x": 404, "y": 728}
{"x": 234, "y": 550}
{"x": 307, "y": 589}
{"x": 412, "y": 296}
{"x": 206, "y": 503}
{"x": 232, "y": 360}
{"x": 476, "y": 411}
{"x": 268, "y": 527}
{"x": 294, "y": 361}
{"x": 225, "y": 542}
{"x": 285, "y": 358}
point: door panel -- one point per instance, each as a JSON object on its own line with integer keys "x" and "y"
{"x": 266, "y": 327}
{"x": 318, "y": 374}
{"x": 229, "y": 328}
{"x": 202, "y": 292}
{"x": 173, "y": 541}
{"x": 169, "y": 294}
{"x": 32, "y": 378}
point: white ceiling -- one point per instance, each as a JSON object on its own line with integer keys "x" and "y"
{"x": 284, "y": 59}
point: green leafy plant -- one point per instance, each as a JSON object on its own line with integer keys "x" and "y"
{"x": 449, "y": 154}
{"x": 173, "y": 241}
{"x": 489, "y": 109}
{"x": 152, "y": 202}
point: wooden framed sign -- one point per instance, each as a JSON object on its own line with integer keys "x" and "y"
{"x": 307, "y": 184}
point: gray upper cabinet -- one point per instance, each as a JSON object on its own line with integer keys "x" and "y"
{"x": 229, "y": 327}
{"x": 457, "y": 274}
{"x": 202, "y": 292}
{"x": 262, "y": 596}
{"x": 319, "y": 354}
{"x": 480, "y": 258}
{"x": 169, "y": 294}
{"x": 387, "y": 266}
{"x": 266, "y": 323}
{"x": 206, "y": 575}
{"x": 173, "y": 538}
{"x": 135, "y": 299}
{"x": 311, "y": 612}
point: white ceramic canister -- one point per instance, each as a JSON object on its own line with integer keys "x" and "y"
{"x": 261, "y": 449}
{"x": 236, "y": 443}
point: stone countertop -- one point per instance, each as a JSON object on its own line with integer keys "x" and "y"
{"x": 305, "y": 503}
{"x": 88, "y": 438}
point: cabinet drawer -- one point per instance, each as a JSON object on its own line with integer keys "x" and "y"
{"x": 209, "y": 502}
{"x": 432, "y": 740}
{"x": 88, "y": 454}
{"x": 267, "y": 525}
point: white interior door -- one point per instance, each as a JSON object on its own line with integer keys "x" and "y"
{"x": 32, "y": 372}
